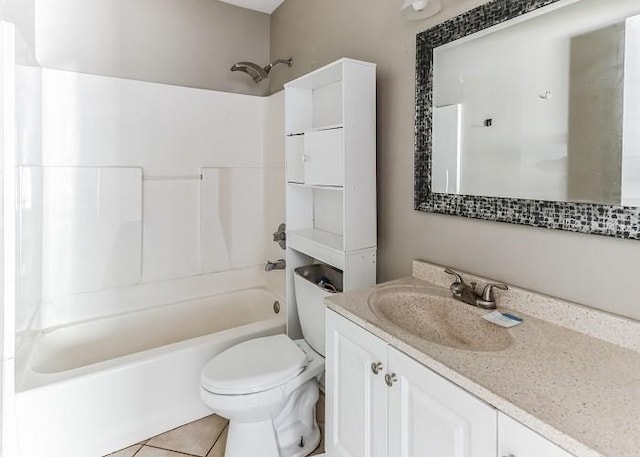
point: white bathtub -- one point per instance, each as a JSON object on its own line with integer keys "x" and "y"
{"x": 95, "y": 387}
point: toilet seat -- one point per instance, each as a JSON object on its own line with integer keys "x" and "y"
{"x": 254, "y": 366}
{"x": 272, "y": 421}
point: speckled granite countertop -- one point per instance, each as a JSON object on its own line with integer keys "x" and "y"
{"x": 561, "y": 377}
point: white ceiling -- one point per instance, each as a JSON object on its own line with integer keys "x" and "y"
{"x": 264, "y": 6}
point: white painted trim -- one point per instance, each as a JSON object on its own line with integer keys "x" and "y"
{"x": 8, "y": 238}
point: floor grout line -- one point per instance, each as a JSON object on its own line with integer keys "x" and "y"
{"x": 217, "y": 439}
{"x": 171, "y": 450}
{"x": 145, "y": 443}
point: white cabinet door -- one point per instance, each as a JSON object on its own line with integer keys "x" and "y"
{"x": 356, "y": 397}
{"x": 516, "y": 440}
{"x": 432, "y": 417}
{"x": 324, "y": 158}
{"x": 294, "y": 153}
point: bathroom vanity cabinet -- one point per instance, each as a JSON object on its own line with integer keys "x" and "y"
{"x": 330, "y": 155}
{"x": 383, "y": 403}
{"x": 516, "y": 440}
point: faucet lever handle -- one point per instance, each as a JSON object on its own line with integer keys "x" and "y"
{"x": 453, "y": 273}
{"x": 487, "y": 292}
{"x": 458, "y": 285}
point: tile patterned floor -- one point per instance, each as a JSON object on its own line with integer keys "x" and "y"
{"x": 203, "y": 438}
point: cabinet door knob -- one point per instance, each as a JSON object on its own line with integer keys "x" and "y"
{"x": 305, "y": 157}
{"x": 390, "y": 379}
{"x": 376, "y": 367}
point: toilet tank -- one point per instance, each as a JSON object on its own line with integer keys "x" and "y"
{"x": 312, "y": 284}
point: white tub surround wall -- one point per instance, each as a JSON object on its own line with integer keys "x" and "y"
{"x": 570, "y": 375}
{"x": 135, "y": 197}
{"x": 274, "y": 189}
{"x": 127, "y": 184}
{"x": 90, "y": 221}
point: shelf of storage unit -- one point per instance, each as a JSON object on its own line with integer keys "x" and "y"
{"x": 327, "y": 127}
{"x": 319, "y": 244}
{"x": 317, "y": 129}
{"x": 300, "y": 185}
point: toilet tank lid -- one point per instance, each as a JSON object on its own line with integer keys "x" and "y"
{"x": 254, "y": 366}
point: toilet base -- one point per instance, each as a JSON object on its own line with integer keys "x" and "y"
{"x": 262, "y": 441}
{"x": 247, "y": 439}
{"x": 293, "y": 433}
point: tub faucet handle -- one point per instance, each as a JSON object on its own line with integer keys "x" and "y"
{"x": 280, "y": 236}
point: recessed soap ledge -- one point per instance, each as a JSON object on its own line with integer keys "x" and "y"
{"x": 598, "y": 324}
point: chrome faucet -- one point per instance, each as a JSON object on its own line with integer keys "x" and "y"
{"x": 467, "y": 293}
{"x": 279, "y": 264}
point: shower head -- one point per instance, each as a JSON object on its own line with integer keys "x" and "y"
{"x": 257, "y": 73}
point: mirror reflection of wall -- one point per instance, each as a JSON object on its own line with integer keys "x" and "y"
{"x": 553, "y": 118}
{"x": 596, "y": 97}
{"x": 631, "y": 118}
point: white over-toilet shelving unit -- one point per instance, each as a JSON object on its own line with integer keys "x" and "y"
{"x": 330, "y": 128}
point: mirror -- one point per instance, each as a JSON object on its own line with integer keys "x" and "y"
{"x": 529, "y": 112}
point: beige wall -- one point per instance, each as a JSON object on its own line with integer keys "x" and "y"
{"x": 182, "y": 42}
{"x": 597, "y": 271}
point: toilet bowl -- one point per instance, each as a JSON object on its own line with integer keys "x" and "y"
{"x": 267, "y": 388}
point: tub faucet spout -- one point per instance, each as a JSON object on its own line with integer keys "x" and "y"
{"x": 279, "y": 264}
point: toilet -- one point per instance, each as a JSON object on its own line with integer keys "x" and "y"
{"x": 268, "y": 387}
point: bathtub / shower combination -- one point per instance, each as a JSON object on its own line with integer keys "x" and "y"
{"x": 95, "y": 387}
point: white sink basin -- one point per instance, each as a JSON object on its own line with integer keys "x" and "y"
{"x": 433, "y": 315}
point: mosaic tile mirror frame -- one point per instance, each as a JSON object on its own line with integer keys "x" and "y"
{"x": 608, "y": 220}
